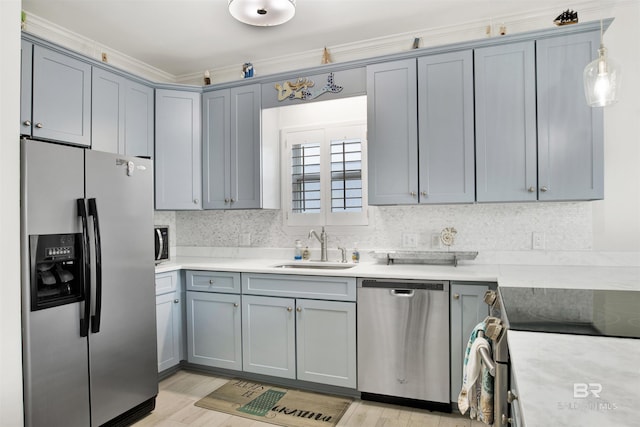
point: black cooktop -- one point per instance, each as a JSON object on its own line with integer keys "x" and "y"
{"x": 572, "y": 311}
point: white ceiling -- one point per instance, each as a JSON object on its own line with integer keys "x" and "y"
{"x": 187, "y": 36}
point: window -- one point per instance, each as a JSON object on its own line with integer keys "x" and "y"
{"x": 325, "y": 175}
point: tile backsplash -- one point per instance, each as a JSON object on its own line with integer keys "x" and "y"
{"x": 566, "y": 226}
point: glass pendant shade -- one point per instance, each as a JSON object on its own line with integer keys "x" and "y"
{"x": 602, "y": 80}
{"x": 262, "y": 13}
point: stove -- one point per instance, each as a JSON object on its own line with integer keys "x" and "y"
{"x": 610, "y": 313}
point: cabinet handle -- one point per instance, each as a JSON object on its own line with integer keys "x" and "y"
{"x": 26, "y": 123}
{"x": 226, "y": 200}
{"x": 195, "y": 201}
{"x": 231, "y": 200}
{"x": 176, "y": 301}
{"x": 412, "y": 193}
{"x": 235, "y": 304}
{"x": 532, "y": 189}
{"x": 544, "y": 189}
{"x": 299, "y": 309}
{"x": 423, "y": 193}
{"x": 456, "y": 296}
{"x": 211, "y": 281}
{"x": 289, "y": 309}
{"x": 38, "y": 125}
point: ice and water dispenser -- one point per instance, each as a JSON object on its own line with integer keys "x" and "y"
{"x": 56, "y": 270}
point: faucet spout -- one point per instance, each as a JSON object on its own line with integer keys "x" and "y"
{"x": 322, "y": 238}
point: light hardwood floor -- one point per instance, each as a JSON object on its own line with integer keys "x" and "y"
{"x": 178, "y": 393}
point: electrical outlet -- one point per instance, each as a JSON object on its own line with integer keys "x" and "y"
{"x": 409, "y": 240}
{"x": 537, "y": 240}
{"x": 244, "y": 239}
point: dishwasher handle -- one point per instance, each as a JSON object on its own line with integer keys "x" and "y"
{"x": 392, "y": 284}
{"x": 402, "y": 293}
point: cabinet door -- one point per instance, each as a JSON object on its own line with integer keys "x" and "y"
{"x": 216, "y": 133}
{"x": 61, "y": 108}
{"x": 268, "y": 336}
{"x": 168, "y": 328}
{"x": 326, "y": 342}
{"x": 505, "y": 89}
{"x": 138, "y": 120}
{"x": 214, "y": 330}
{"x": 178, "y": 154}
{"x": 107, "y": 111}
{"x": 26, "y": 64}
{"x": 392, "y": 125}
{"x": 245, "y": 170}
{"x": 570, "y": 133}
{"x": 446, "y": 128}
{"x": 467, "y": 310}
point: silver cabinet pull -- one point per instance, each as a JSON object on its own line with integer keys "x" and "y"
{"x": 176, "y": 301}
{"x": 289, "y": 309}
{"x": 412, "y": 193}
{"x": 531, "y": 189}
{"x": 211, "y": 281}
{"x": 38, "y": 125}
{"x": 26, "y": 123}
{"x": 299, "y": 309}
{"x": 195, "y": 201}
{"x": 231, "y": 200}
{"x": 423, "y": 193}
{"x": 235, "y": 304}
{"x": 456, "y": 296}
{"x": 544, "y": 189}
{"x": 226, "y": 200}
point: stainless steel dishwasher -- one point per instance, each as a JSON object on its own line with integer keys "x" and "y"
{"x": 403, "y": 342}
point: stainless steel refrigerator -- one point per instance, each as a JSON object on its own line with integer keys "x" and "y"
{"x": 89, "y": 340}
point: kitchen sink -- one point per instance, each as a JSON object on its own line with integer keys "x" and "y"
{"x": 317, "y": 265}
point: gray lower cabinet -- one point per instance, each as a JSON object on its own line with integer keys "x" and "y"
{"x": 232, "y": 148}
{"x": 178, "y": 163}
{"x": 505, "y": 112}
{"x": 214, "y": 330}
{"x": 122, "y": 116}
{"x": 467, "y": 309}
{"x": 59, "y": 107}
{"x": 214, "y": 334}
{"x": 312, "y": 338}
{"x": 570, "y": 133}
{"x": 169, "y": 326}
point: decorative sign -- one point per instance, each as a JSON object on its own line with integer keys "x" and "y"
{"x": 302, "y": 89}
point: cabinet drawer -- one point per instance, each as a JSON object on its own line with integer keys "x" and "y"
{"x": 213, "y": 281}
{"x": 166, "y": 282}
{"x": 295, "y": 286}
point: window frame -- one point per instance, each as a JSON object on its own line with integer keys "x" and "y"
{"x": 325, "y": 132}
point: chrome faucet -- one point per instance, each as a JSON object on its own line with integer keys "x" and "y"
{"x": 323, "y": 243}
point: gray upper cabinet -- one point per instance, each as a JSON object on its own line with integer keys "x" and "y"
{"x": 570, "y": 133}
{"x": 122, "y": 115}
{"x": 392, "y": 140}
{"x": 60, "y": 98}
{"x": 177, "y": 151}
{"x": 26, "y": 64}
{"x": 505, "y": 112}
{"x": 446, "y": 128}
{"x": 231, "y": 149}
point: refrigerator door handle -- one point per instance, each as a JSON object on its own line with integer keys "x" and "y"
{"x": 95, "y": 319}
{"x": 84, "y": 321}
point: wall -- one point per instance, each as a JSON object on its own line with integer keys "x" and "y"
{"x": 10, "y": 323}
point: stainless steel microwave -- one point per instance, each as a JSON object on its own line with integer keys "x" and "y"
{"x": 161, "y": 236}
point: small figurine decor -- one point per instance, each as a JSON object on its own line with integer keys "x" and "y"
{"x": 207, "y": 78}
{"x": 247, "y": 70}
{"x": 447, "y": 236}
{"x": 567, "y": 17}
{"x": 301, "y": 89}
{"x": 326, "y": 56}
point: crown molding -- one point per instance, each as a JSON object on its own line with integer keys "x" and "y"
{"x": 73, "y": 41}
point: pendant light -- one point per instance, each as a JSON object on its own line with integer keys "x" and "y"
{"x": 602, "y": 78}
{"x": 262, "y": 13}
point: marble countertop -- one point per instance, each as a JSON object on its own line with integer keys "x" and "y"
{"x": 547, "y": 366}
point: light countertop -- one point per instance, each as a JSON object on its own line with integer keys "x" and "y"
{"x": 547, "y": 367}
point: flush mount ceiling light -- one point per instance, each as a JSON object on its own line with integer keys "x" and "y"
{"x": 262, "y": 13}
{"x": 602, "y": 79}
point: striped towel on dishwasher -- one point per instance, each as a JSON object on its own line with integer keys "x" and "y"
{"x": 477, "y": 382}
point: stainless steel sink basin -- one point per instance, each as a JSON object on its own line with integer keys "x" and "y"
{"x": 316, "y": 265}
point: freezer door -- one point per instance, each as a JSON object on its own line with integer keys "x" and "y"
{"x": 55, "y": 358}
{"x": 123, "y": 357}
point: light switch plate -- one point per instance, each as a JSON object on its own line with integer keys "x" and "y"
{"x": 537, "y": 240}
